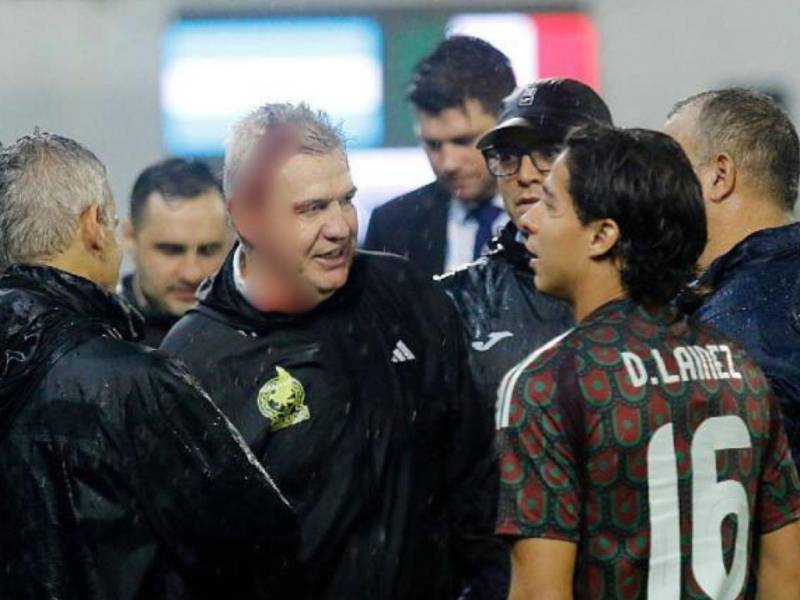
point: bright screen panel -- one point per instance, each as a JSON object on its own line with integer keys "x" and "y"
{"x": 214, "y": 71}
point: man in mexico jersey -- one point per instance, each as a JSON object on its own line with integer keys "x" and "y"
{"x": 641, "y": 456}
{"x": 642, "y": 439}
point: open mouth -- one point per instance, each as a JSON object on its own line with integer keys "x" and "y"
{"x": 333, "y": 254}
{"x": 334, "y": 258}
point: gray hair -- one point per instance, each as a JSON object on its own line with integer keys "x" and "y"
{"x": 755, "y": 131}
{"x": 46, "y": 182}
{"x": 317, "y": 135}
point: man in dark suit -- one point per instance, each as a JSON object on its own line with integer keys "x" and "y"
{"x": 456, "y": 93}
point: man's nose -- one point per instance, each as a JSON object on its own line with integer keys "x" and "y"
{"x": 336, "y": 225}
{"x": 528, "y": 173}
{"x": 192, "y": 268}
{"x": 450, "y": 160}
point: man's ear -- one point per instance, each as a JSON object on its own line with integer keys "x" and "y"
{"x": 129, "y": 236}
{"x": 720, "y": 178}
{"x": 91, "y": 229}
{"x": 604, "y": 234}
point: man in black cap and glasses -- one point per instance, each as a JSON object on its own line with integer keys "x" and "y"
{"x": 504, "y": 314}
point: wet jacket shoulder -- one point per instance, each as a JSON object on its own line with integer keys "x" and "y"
{"x": 504, "y": 316}
{"x": 116, "y": 470}
{"x": 387, "y": 454}
{"x": 752, "y": 293}
{"x": 413, "y": 225}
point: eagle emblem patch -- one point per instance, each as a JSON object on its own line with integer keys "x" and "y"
{"x": 283, "y": 401}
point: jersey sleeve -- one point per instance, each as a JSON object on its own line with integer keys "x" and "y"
{"x": 779, "y": 497}
{"x": 540, "y": 487}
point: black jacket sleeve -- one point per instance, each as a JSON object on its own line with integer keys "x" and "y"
{"x": 206, "y": 495}
{"x": 473, "y": 480}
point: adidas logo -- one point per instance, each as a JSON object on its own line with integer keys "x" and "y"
{"x": 402, "y": 353}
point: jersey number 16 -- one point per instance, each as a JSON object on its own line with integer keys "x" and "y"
{"x": 712, "y": 501}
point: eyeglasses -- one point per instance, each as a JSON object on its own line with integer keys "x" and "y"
{"x": 505, "y": 161}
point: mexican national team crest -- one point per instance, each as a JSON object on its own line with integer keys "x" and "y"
{"x": 283, "y": 401}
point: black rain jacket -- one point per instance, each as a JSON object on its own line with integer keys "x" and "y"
{"x": 505, "y": 317}
{"x": 364, "y": 412}
{"x": 752, "y": 294}
{"x": 119, "y": 479}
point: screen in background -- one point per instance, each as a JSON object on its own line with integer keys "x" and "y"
{"x": 215, "y": 71}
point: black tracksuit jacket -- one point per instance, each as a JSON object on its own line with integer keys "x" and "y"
{"x": 391, "y": 469}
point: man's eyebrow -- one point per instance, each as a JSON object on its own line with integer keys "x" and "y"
{"x": 309, "y": 201}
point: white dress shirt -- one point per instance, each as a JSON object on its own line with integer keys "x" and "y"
{"x": 461, "y": 232}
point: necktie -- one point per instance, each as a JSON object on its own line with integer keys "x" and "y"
{"x": 485, "y": 214}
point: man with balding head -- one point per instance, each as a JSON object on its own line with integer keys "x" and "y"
{"x": 745, "y": 152}
{"x": 346, "y": 373}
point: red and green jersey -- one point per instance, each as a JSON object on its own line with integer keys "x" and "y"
{"x": 652, "y": 444}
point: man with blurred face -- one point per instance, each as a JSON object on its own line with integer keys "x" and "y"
{"x": 456, "y": 93}
{"x": 505, "y": 316}
{"x": 643, "y": 455}
{"x": 346, "y": 373}
{"x": 119, "y": 477}
{"x": 745, "y": 151}
{"x": 177, "y": 235}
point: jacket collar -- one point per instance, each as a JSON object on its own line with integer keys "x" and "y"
{"x": 76, "y": 296}
{"x": 508, "y": 246}
{"x": 758, "y": 248}
{"x": 219, "y": 298}
{"x": 153, "y": 318}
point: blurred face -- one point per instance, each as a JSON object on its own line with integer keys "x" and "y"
{"x": 309, "y": 225}
{"x": 179, "y": 243}
{"x": 448, "y": 139}
{"x": 556, "y": 237}
{"x": 523, "y": 188}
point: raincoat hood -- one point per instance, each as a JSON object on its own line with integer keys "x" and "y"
{"x": 45, "y": 312}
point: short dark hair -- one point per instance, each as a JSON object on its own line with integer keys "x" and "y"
{"x": 459, "y": 69}
{"x": 174, "y": 178}
{"x": 755, "y": 131}
{"x": 644, "y": 182}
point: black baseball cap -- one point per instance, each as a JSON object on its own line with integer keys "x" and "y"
{"x": 544, "y": 112}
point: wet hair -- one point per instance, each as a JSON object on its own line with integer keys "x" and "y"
{"x": 317, "y": 135}
{"x": 461, "y": 68}
{"x": 46, "y": 182}
{"x": 644, "y": 182}
{"x": 755, "y": 131}
{"x": 174, "y": 178}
